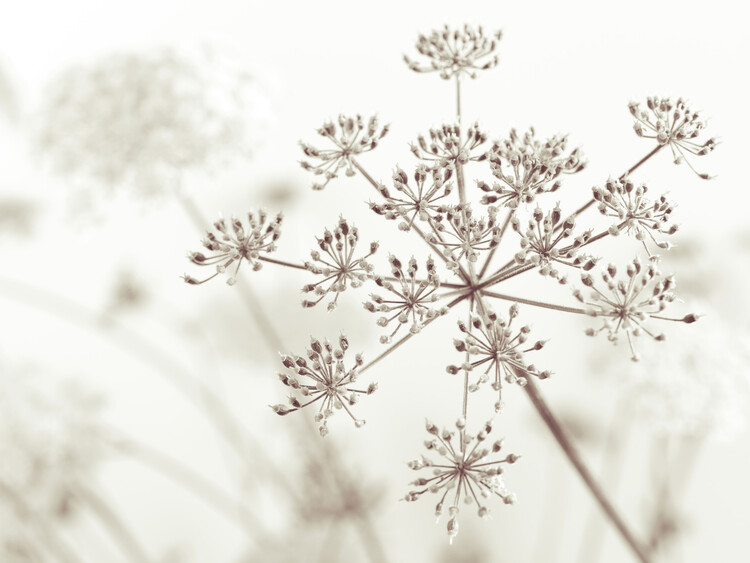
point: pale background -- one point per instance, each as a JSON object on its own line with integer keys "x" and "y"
{"x": 565, "y": 67}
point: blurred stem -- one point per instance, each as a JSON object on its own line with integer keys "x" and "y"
{"x": 193, "y": 483}
{"x": 166, "y": 366}
{"x": 571, "y": 452}
{"x": 45, "y": 532}
{"x": 114, "y": 524}
{"x": 592, "y": 540}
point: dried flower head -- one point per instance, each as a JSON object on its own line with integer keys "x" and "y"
{"x": 340, "y": 268}
{"x": 421, "y": 201}
{"x": 323, "y": 379}
{"x": 527, "y": 166}
{"x": 673, "y": 123}
{"x": 453, "y": 52}
{"x": 465, "y": 471}
{"x": 628, "y": 303}
{"x": 637, "y": 214}
{"x": 490, "y": 344}
{"x": 142, "y": 118}
{"x": 448, "y": 145}
{"x": 411, "y": 299}
{"x": 51, "y": 442}
{"x": 462, "y": 235}
{"x": 351, "y": 138}
{"x": 233, "y": 241}
{"x": 542, "y": 243}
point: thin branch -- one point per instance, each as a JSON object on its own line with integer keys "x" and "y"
{"x": 46, "y": 533}
{"x": 535, "y": 303}
{"x": 565, "y": 443}
{"x": 114, "y": 524}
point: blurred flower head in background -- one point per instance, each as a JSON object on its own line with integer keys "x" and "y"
{"x": 699, "y": 386}
{"x": 144, "y": 118}
{"x": 49, "y": 444}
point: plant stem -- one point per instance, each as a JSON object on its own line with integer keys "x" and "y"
{"x": 114, "y": 524}
{"x": 534, "y": 302}
{"x": 193, "y": 483}
{"x": 46, "y": 533}
{"x": 169, "y": 368}
{"x": 406, "y": 338}
{"x": 572, "y": 454}
{"x": 614, "y": 449}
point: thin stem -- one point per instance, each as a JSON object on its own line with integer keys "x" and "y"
{"x": 46, "y": 533}
{"x": 458, "y": 99}
{"x": 194, "y": 483}
{"x": 494, "y": 249}
{"x": 614, "y": 449}
{"x": 166, "y": 366}
{"x": 403, "y": 340}
{"x": 570, "y": 451}
{"x": 534, "y": 302}
{"x": 282, "y": 262}
{"x": 114, "y": 524}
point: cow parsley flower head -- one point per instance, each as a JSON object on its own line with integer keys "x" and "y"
{"x": 349, "y": 137}
{"x": 636, "y": 214}
{"x": 455, "y": 52}
{"x": 673, "y": 123}
{"x": 463, "y": 473}
{"x": 448, "y": 145}
{"x": 627, "y": 303}
{"x": 697, "y": 388}
{"x": 527, "y": 167}
{"x": 420, "y": 200}
{"x": 143, "y": 118}
{"x": 495, "y": 349}
{"x": 322, "y": 378}
{"x": 234, "y": 241}
{"x": 50, "y": 444}
{"x": 339, "y": 268}
{"x": 410, "y": 300}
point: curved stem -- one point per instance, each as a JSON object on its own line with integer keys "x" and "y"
{"x": 193, "y": 483}
{"x": 572, "y": 454}
{"x": 46, "y": 533}
{"x": 165, "y": 366}
{"x": 114, "y": 524}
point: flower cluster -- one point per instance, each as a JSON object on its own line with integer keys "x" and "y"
{"x": 627, "y": 304}
{"x": 322, "y": 378}
{"x": 463, "y": 242}
{"x": 541, "y": 243}
{"x": 498, "y": 350}
{"x": 453, "y": 52}
{"x": 233, "y": 242}
{"x": 431, "y": 185}
{"x": 340, "y": 268}
{"x": 447, "y": 145}
{"x": 673, "y": 123}
{"x": 637, "y": 214}
{"x": 411, "y": 299}
{"x": 351, "y": 138}
{"x": 464, "y": 471}
{"x": 464, "y": 236}
{"x": 142, "y": 118}
{"x": 527, "y": 166}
